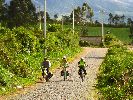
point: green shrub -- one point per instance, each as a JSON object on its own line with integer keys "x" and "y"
{"x": 7, "y": 78}
{"x": 25, "y": 39}
{"x": 84, "y": 31}
{"x": 54, "y": 27}
{"x": 21, "y": 52}
{"x": 15, "y": 43}
{"x": 111, "y": 40}
{"x": 84, "y": 43}
{"x": 115, "y": 77}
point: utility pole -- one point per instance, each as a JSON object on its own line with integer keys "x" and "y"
{"x": 73, "y": 18}
{"x": 44, "y": 18}
{"x": 45, "y": 50}
{"x": 102, "y": 22}
{"x": 40, "y": 25}
{"x": 62, "y": 22}
{"x": 73, "y": 21}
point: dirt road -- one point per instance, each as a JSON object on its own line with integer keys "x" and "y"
{"x": 73, "y": 88}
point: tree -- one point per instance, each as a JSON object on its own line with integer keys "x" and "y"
{"x": 87, "y": 11}
{"x": 130, "y": 24}
{"x": 78, "y": 14}
{"x": 116, "y": 19}
{"x": 1, "y": 5}
{"x": 131, "y": 27}
{"x": 83, "y": 13}
{"x": 66, "y": 19}
{"x": 97, "y": 23}
{"x": 21, "y": 12}
{"x": 56, "y": 16}
{"x": 3, "y": 11}
{"x": 129, "y": 20}
{"x": 110, "y": 19}
{"x": 47, "y": 16}
{"x": 42, "y": 16}
{"x": 122, "y": 21}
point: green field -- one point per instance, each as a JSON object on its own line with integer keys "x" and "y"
{"x": 120, "y": 33}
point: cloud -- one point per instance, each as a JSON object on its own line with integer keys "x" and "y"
{"x": 123, "y": 2}
{"x": 37, "y": 3}
{"x": 127, "y": 13}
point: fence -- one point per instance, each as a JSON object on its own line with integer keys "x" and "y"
{"x": 95, "y": 40}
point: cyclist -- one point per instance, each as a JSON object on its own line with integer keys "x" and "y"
{"x": 46, "y": 65}
{"x": 82, "y": 65}
{"x": 64, "y": 64}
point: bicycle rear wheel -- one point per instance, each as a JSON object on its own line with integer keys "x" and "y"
{"x": 47, "y": 78}
{"x": 65, "y": 75}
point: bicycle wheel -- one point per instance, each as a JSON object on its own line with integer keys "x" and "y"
{"x": 65, "y": 74}
{"x": 47, "y": 78}
{"x": 82, "y": 75}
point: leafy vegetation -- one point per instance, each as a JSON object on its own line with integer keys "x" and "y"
{"x": 111, "y": 40}
{"x": 115, "y": 80}
{"x": 21, "y": 48}
{"x": 54, "y": 27}
{"x": 84, "y": 43}
{"x": 18, "y": 13}
{"x": 83, "y": 13}
{"x": 21, "y": 53}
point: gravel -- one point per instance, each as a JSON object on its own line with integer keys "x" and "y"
{"x": 73, "y": 88}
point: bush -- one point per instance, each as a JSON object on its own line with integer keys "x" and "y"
{"x": 115, "y": 77}
{"x": 15, "y": 43}
{"x": 54, "y": 27}
{"x": 21, "y": 52}
{"x": 84, "y": 43}
{"x": 84, "y": 31}
{"x": 111, "y": 40}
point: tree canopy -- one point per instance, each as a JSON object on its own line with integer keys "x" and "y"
{"x": 83, "y": 14}
{"x": 2, "y": 9}
{"x": 21, "y": 12}
{"x": 116, "y": 19}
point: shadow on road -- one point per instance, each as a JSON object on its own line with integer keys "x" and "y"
{"x": 58, "y": 81}
{"x": 95, "y": 57}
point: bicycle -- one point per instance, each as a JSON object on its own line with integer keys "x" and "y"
{"x": 82, "y": 74}
{"x": 64, "y": 72}
{"x": 47, "y": 74}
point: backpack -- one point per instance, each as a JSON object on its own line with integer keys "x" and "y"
{"x": 46, "y": 64}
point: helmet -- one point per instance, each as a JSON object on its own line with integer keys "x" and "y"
{"x": 82, "y": 58}
{"x": 45, "y": 58}
{"x": 64, "y": 57}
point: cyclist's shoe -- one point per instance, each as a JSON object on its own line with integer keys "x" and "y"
{"x": 50, "y": 75}
{"x": 62, "y": 73}
{"x": 85, "y": 72}
{"x": 67, "y": 73}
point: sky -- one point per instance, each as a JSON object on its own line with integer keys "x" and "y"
{"x": 64, "y": 7}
